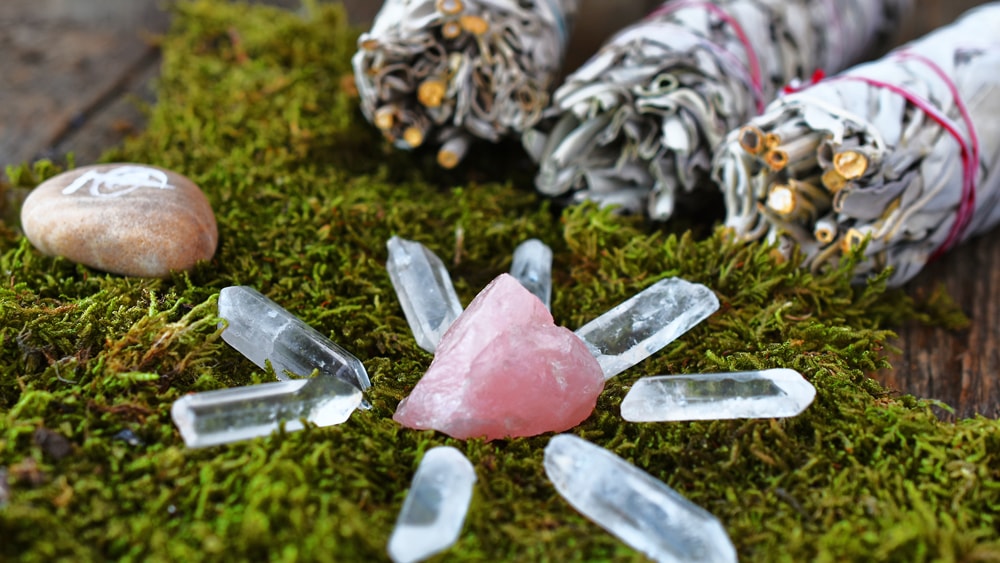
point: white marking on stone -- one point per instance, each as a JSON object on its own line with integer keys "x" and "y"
{"x": 119, "y": 181}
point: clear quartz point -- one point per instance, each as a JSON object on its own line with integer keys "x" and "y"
{"x": 424, "y": 288}
{"x": 230, "y": 415}
{"x": 434, "y": 510}
{"x": 263, "y": 331}
{"x": 631, "y": 504}
{"x": 645, "y": 323}
{"x": 772, "y": 393}
{"x": 532, "y": 266}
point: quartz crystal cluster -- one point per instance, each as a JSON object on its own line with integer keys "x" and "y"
{"x": 501, "y": 369}
{"x": 434, "y": 510}
{"x": 265, "y": 333}
{"x": 772, "y": 393}
{"x": 425, "y": 291}
{"x": 532, "y": 266}
{"x": 646, "y": 323}
{"x": 504, "y": 369}
{"x": 240, "y": 413}
{"x": 639, "y": 509}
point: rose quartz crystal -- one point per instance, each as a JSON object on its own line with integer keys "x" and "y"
{"x": 505, "y": 369}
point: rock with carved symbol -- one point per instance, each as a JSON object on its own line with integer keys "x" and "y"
{"x": 128, "y": 219}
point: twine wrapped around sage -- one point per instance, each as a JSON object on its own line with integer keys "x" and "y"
{"x": 897, "y": 155}
{"x": 636, "y": 124}
{"x": 449, "y": 71}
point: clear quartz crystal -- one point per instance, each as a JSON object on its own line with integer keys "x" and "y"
{"x": 240, "y": 413}
{"x": 639, "y": 509}
{"x": 424, "y": 288}
{"x": 262, "y": 331}
{"x": 532, "y": 266}
{"x": 645, "y": 323}
{"x": 772, "y": 393}
{"x": 434, "y": 510}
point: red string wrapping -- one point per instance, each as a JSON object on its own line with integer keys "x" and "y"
{"x": 753, "y": 63}
{"x": 970, "y": 155}
{"x": 969, "y": 147}
{"x": 798, "y": 86}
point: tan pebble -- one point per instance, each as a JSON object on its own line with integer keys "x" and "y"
{"x": 128, "y": 219}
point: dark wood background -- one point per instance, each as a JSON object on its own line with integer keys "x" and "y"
{"x": 75, "y": 73}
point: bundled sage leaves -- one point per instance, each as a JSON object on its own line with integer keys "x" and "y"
{"x": 636, "y": 124}
{"x": 896, "y": 156}
{"x": 448, "y": 71}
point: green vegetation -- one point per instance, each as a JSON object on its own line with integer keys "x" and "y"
{"x": 255, "y": 108}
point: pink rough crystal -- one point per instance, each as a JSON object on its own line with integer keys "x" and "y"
{"x": 505, "y": 369}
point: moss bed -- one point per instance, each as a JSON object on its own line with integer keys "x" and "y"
{"x": 256, "y": 106}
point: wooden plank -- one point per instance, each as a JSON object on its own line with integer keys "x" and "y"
{"x": 61, "y": 61}
{"x": 958, "y": 368}
{"x": 115, "y": 118}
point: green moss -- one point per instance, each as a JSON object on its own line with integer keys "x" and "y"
{"x": 252, "y": 107}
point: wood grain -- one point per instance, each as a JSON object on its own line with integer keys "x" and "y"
{"x": 958, "y": 368}
{"x": 62, "y": 63}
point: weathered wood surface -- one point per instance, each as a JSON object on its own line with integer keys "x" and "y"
{"x": 72, "y": 71}
{"x": 958, "y": 368}
{"x": 63, "y": 63}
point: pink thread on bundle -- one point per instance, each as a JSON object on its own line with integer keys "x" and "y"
{"x": 969, "y": 147}
{"x": 970, "y": 155}
{"x": 797, "y": 85}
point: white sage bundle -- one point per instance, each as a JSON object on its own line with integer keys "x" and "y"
{"x": 635, "y": 126}
{"x": 448, "y": 71}
{"x": 898, "y": 155}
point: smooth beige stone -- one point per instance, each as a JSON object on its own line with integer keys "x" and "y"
{"x": 128, "y": 219}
